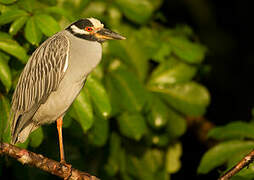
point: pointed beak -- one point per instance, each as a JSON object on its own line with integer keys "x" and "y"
{"x": 105, "y": 34}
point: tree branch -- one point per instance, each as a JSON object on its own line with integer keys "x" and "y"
{"x": 37, "y": 160}
{"x": 249, "y": 158}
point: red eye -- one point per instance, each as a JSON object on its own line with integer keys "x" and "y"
{"x": 88, "y": 29}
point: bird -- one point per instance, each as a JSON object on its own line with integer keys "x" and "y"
{"x": 54, "y": 76}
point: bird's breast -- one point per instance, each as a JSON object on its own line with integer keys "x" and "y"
{"x": 84, "y": 56}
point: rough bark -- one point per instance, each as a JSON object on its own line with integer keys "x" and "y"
{"x": 37, "y": 160}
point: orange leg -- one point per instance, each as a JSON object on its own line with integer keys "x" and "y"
{"x": 59, "y": 129}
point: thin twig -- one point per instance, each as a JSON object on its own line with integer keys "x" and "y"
{"x": 249, "y": 158}
{"x": 37, "y": 160}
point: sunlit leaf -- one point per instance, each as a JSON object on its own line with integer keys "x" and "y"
{"x": 157, "y": 112}
{"x": 47, "y": 24}
{"x": 83, "y": 110}
{"x": 171, "y": 72}
{"x": 93, "y": 9}
{"x": 32, "y": 32}
{"x": 173, "y": 163}
{"x": 189, "y": 98}
{"x": 234, "y": 130}
{"x": 221, "y": 153}
{"x": 17, "y": 25}
{"x": 36, "y": 137}
{"x": 12, "y": 47}
{"x": 99, "y": 96}
{"x": 154, "y": 158}
{"x": 137, "y": 11}
{"x": 5, "y": 73}
{"x": 132, "y": 125}
{"x": 11, "y": 15}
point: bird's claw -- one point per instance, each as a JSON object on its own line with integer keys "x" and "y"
{"x": 63, "y": 163}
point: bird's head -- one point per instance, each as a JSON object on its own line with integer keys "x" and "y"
{"x": 92, "y": 29}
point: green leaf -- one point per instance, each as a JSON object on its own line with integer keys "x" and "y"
{"x": 5, "y": 56}
{"x": 23, "y": 145}
{"x": 221, "y": 153}
{"x": 17, "y": 25}
{"x": 5, "y": 73}
{"x": 12, "y": 47}
{"x": 5, "y": 133}
{"x": 234, "y": 130}
{"x": 115, "y": 153}
{"x": 173, "y": 163}
{"x": 83, "y": 111}
{"x": 114, "y": 96}
{"x": 188, "y": 51}
{"x": 32, "y": 32}
{"x": 138, "y": 168}
{"x": 36, "y": 137}
{"x": 99, "y": 96}
{"x": 7, "y": 1}
{"x": 60, "y": 11}
{"x": 162, "y": 175}
{"x": 189, "y": 98}
{"x": 159, "y": 140}
{"x": 157, "y": 116}
{"x": 28, "y": 5}
{"x": 47, "y": 24}
{"x": 137, "y": 11}
{"x": 11, "y": 15}
{"x": 130, "y": 90}
{"x": 171, "y": 72}
{"x": 68, "y": 117}
{"x": 154, "y": 159}
{"x": 98, "y": 134}
{"x": 163, "y": 52}
{"x": 133, "y": 52}
{"x": 132, "y": 125}
{"x": 176, "y": 126}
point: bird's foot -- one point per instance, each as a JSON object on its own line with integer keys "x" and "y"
{"x": 63, "y": 162}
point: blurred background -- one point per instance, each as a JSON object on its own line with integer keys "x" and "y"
{"x": 145, "y": 111}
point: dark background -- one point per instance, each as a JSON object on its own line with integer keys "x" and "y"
{"x": 226, "y": 28}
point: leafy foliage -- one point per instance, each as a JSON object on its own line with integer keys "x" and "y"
{"x": 134, "y": 103}
{"x": 237, "y": 140}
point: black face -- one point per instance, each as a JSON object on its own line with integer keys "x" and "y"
{"x": 82, "y": 24}
{"x": 85, "y": 29}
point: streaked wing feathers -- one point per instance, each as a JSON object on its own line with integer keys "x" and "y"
{"x": 40, "y": 77}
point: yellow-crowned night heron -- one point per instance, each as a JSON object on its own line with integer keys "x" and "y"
{"x": 54, "y": 76}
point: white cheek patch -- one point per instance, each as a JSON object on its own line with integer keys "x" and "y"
{"x": 76, "y": 30}
{"x": 96, "y": 23}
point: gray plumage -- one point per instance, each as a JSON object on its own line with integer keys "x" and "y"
{"x": 47, "y": 85}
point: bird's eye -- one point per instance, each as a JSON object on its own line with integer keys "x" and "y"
{"x": 88, "y": 29}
